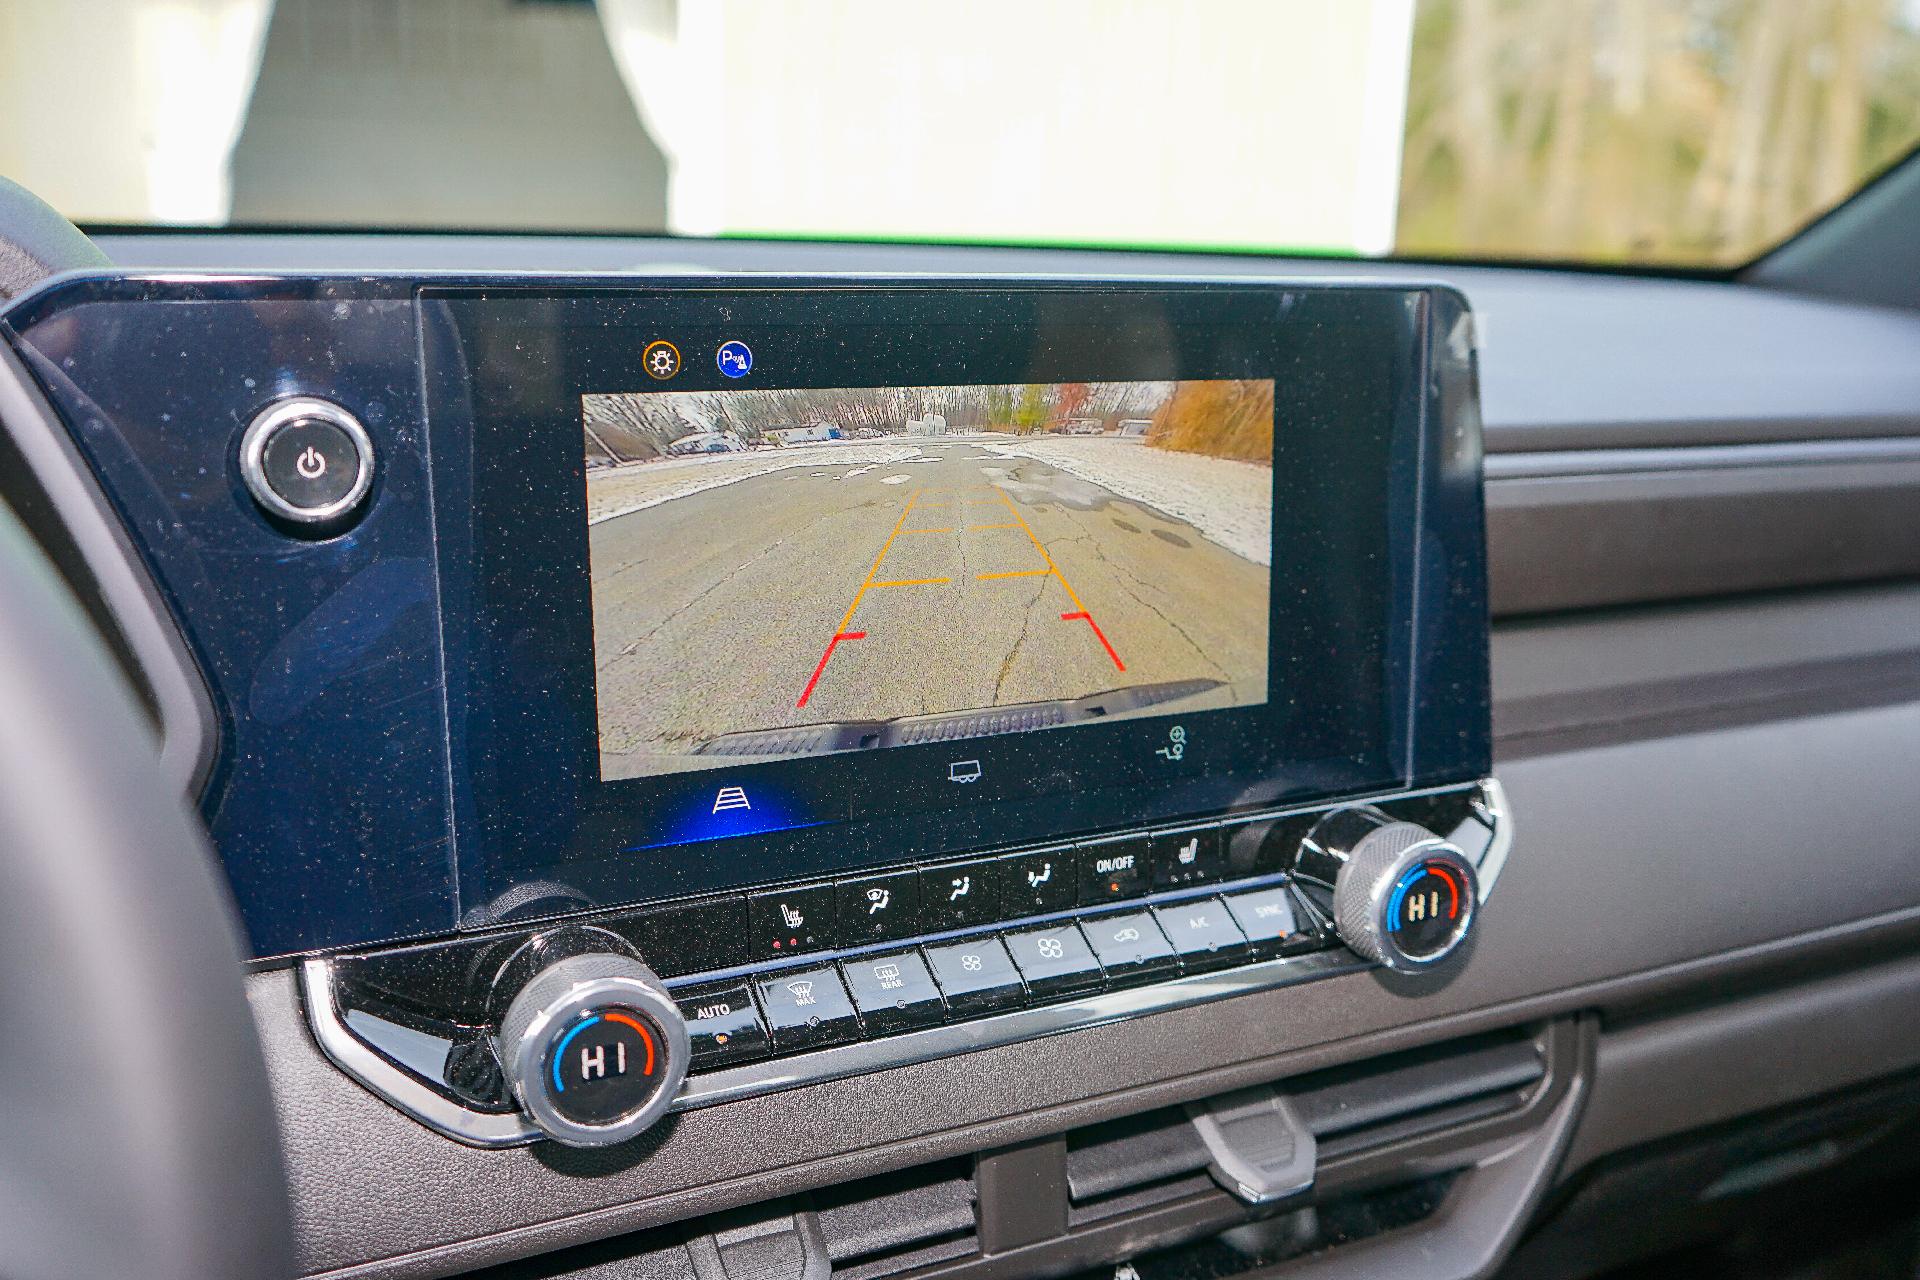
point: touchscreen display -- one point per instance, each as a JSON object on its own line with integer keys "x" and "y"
{"x": 788, "y": 573}
{"x": 748, "y": 581}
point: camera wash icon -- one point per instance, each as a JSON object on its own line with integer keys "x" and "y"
{"x": 734, "y": 358}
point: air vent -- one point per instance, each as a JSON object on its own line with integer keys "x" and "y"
{"x": 1125, "y": 1165}
{"x": 882, "y": 1226}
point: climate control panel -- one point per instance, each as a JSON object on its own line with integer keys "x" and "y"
{"x": 590, "y": 1031}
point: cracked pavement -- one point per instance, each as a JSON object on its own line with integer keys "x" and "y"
{"x": 711, "y": 611}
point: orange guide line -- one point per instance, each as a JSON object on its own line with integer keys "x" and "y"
{"x": 1018, "y": 573}
{"x": 909, "y": 582}
{"x": 1043, "y": 554}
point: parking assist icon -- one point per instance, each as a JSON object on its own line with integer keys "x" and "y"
{"x": 735, "y": 359}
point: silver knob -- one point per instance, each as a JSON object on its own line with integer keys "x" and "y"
{"x": 595, "y": 1048}
{"x": 1401, "y": 895}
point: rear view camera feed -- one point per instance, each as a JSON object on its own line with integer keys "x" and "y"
{"x": 790, "y": 573}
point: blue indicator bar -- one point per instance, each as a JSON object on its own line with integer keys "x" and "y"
{"x": 560, "y": 1050}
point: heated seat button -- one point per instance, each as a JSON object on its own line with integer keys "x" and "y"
{"x": 723, "y": 1027}
{"x": 1273, "y": 922}
{"x": 807, "y": 1008}
{"x": 978, "y": 977}
{"x": 306, "y": 461}
{"x": 1112, "y": 870}
{"x": 783, "y": 921}
{"x": 893, "y": 992}
{"x": 1194, "y": 856}
{"x": 1204, "y": 933}
{"x": 1054, "y": 961}
{"x": 1130, "y": 946}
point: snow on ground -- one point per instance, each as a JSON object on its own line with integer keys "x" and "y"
{"x": 618, "y": 491}
{"x": 1230, "y": 503}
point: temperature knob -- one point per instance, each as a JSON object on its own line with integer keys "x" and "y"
{"x": 1398, "y": 893}
{"x": 593, "y": 1045}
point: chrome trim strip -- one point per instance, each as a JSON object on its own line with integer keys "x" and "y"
{"x": 397, "y": 1086}
{"x": 1498, "y": 815}
{"x": 752, "y": 1079}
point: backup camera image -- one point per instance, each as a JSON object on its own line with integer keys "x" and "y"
{"x": 787, "y": 573}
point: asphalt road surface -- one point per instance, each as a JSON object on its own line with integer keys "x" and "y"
{"x": 960, "y": 582}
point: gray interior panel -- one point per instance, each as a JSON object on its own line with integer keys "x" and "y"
{"x": 1716, "y": 1064}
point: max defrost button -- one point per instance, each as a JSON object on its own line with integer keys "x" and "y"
{"x": 307, "y": 462}
{"x": 808, "y": 1008}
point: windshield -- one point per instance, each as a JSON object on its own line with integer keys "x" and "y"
{"x": 1674, "y": 132}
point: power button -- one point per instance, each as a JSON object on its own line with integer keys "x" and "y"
{"x": 307, "y": 462}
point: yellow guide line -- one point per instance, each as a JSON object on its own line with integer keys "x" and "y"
{"x": 1043, "y": 552}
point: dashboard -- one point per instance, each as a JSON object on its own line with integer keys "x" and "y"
{"x": 991, "y": 771}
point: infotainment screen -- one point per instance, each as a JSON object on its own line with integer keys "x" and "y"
{"x": 748, "y": 580}
{"x": 949, "y": 562}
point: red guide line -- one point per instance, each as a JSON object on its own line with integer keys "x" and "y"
{"x": 831, "y": 646}
{"x": 1071, "y": 617}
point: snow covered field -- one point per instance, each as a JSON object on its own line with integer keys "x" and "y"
{"x": 1230, "y": 503}
{"x": 617, "y": 491}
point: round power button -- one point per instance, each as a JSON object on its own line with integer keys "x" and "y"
{"x": 307, "y": 462}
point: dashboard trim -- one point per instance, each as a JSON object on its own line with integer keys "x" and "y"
{"x": 189, "y": 727}
{"x": 417, "y": 1099}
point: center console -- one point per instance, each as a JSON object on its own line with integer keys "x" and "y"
{"x": 625, "y": 699}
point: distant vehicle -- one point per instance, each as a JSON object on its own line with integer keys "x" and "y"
{"x": 706, "y": 442}
{"x": 1080, "y": 427}
{"x": 1134, "y": 426}
{"x": 934, "y": 424}
{"x": 807, "y": 434}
